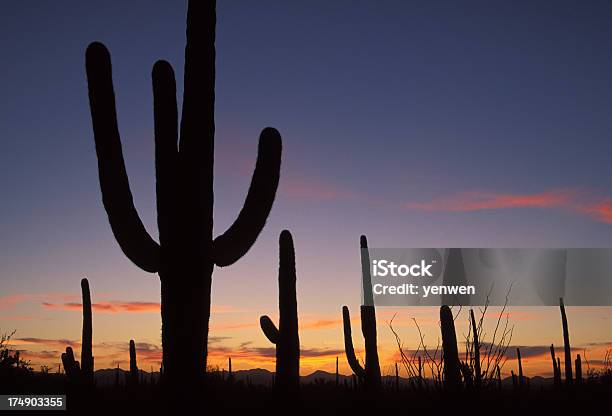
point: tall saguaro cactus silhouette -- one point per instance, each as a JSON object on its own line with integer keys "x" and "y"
{"x": 286, "y": 336}
{"x": 186, "y": 253}
{"x": 450, "y": 352}
{"x": 370, "y": 373}
{"x": 87, "y": 359}
{"x": 566, "y": 344}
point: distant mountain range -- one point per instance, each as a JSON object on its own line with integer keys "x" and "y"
{"x": 260, "y": 376}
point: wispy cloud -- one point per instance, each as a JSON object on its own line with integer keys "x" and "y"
{"x": 587, "y": 203}
{"x": 107, "y": 307}
{"x": 114, "y": 306}
{"x": 10, "y": 301}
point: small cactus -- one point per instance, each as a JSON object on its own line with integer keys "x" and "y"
{"x": 476, "y": 346}
{"x": 556, "y": 369}
{"x": 566, "y": 344}
{"x": 450, "y": 353}
{"x": 370, "y": 373}
{"x": 230, "y": 373}
{"x": 337, "y": 373}
{"x": 133, "y": 378}
{"x": 578, "y": 370}
{"x": 72, "y": 368}
{"x": 286, "y": 337}
{"x": 82, "y": 373}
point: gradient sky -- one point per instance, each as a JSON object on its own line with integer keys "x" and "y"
{"x": 418, "y": 123}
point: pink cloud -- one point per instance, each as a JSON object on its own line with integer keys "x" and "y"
{"x": 9, "y": 301}
{"x": 581, "y": 202}
{"x": 107, "y": 307}
{"x": 115, "y": 306}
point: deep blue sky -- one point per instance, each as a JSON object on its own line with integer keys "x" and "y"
{"x": 379, "y": 104}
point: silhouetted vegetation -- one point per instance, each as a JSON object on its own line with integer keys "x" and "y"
{"x": 186, "y": 253}
{"x": 285, "y": 337}
{"x": 369, "y": 374}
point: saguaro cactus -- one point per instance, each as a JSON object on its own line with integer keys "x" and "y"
{"x": 133, "y": 365}
{"x": 556, "y": 369}
{"x": 87, "y": 359}
{"x": 286, "y": 337}
{"x": 186, "y": 253}
{"x": 578, "y": 369}
{"x": 82, "y": 372}
{"x": 337, "y": 373}
{"x": 450, "y": 352}
{"x": 566, "y": 344}
{"x": 370, "y": 374}
{"x": 72, "y": 368}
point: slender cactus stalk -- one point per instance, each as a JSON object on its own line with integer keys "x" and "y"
{"x": 476, "y": 346}
{"x": 133, "y": 365}
{"x": 87, "y": 359}
{"x": 286, "y": 337}
{"x": 556, "y": 369}
{"x": 566, "y": 344}
{"x": 230, "y": 374}
{"x": 450, "y": 352}
{"x": 186, "y": 252}
{"x": 396, "y": 378}
{"x": 337, "y": 373}
{"x": 370, "y": 373}
{"x": 578, "y": 370}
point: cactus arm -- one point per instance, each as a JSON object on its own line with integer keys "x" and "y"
{"x": 239, "y": 238}
{"x": 86, "y": 341}
{"x": 348, "y": 344}
{"x": 368, "y": 297}
{"x": 127, "y": 227}
{"x": 269, "y": 329}
{"x": 166, "y": 150}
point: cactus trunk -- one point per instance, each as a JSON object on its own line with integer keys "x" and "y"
{"x": 556, "y": 369}
{"x": 133, "y": 364}
{"x": 578, "y": 369}
{"x": 186, "y": 253}
{"x": 286, "y": 337}
{"x": 87, "y": 359}
{"x": 520, "y": 368}
{"x": 450, "y": 352}
{"x": 566, "y": 344}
